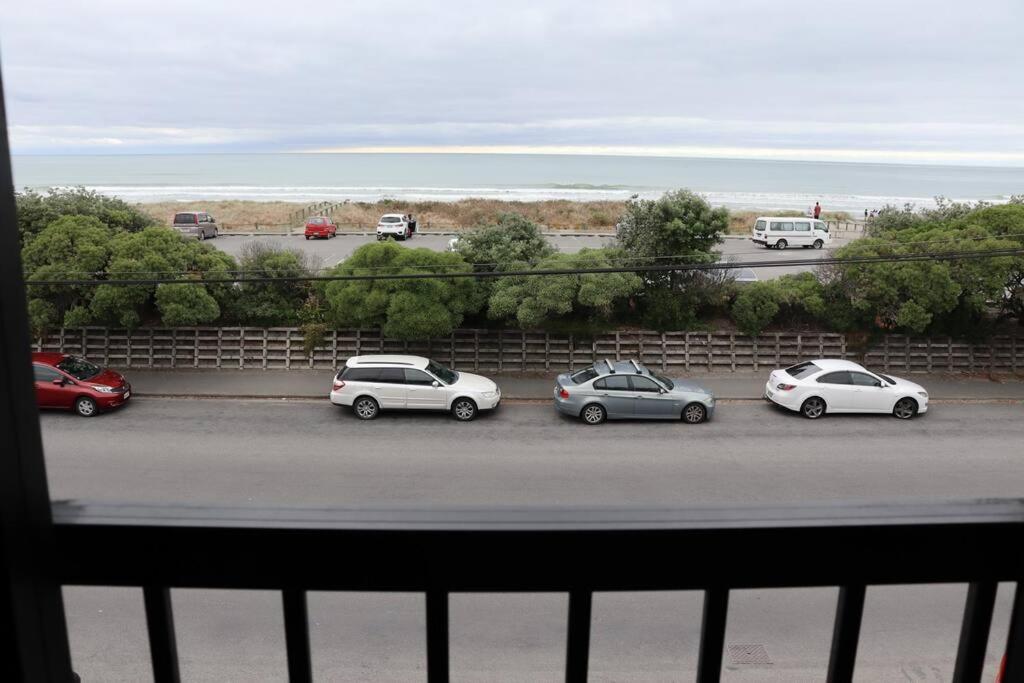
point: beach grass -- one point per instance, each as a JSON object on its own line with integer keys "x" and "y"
{"x": 558, "y": 214}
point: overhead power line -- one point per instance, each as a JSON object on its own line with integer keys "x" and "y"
{"x": 658, "y": 268}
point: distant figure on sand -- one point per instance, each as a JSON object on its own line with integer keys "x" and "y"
{"x": 817, "y": 210}
{"x": 865, "y": 214}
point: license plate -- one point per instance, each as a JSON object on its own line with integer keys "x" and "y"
{"x": 769, "y": 393}
{"x": 127, "y": 394}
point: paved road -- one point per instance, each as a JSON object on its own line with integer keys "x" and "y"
{"x": 330, "y": 252}
{"x": 231, "y": 451}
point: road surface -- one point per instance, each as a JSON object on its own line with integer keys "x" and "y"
{"x": 330, "y": 252}
{"x": 308, "y": 453}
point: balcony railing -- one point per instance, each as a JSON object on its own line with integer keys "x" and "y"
{"x": 576, "y": 551}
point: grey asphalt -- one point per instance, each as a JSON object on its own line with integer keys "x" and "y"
{"x": 303, "y": 383}
{"x": 331, "y": 252}
{"x": 309, "y": 453}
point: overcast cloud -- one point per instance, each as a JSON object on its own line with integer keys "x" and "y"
{"x": 874, "y": 79}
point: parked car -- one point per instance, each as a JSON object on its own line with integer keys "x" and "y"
{"x": 772, "y": 231}
{"x": 817, "y": 387}
{"x": 320, "y": 226}
{"x": 370, "y": 384}
{"x": 453, "y": 244}
{"x": 627, "y": 390}
{"x": 73, "y": 383}
{"x": 198, "y": 224}
{"x": 394, "y": 225}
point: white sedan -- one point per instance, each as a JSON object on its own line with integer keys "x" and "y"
{"x": 824, "y": 386}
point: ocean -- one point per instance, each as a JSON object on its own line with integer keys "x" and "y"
{"x": 735, "y": 183}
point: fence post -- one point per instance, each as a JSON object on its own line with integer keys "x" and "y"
{"x": 709, "y": 352}
{"x": 686, "y": 351}
{"x": 547, "y": 350}
{"x": 220, "y": 344}
{"x": 241, "y": 348}
{"x": 501, "y": 349}
{"x": 906, "y": 353}
{"x": 928, "y": 350}
{"x": 451, "y": 349}
{"x": 359, "y": 342}
{"x": 572, "y": 354}
{"x": 732, "y": 352}
{"x": 778, "y": 351}
{"x": 264, "y": 348}
{"x": 1013, "y": 354}
{"x": 106, "y": 346}
{"x": 799, "y": 347}
{"x": 334, "y": 349}
{"x": 754, "y": 340}
{"x": 664, "y": 361}
{"x": 195, "y": 348}
{"x": 949, "y": 352}
{"x": 476, "y": 350}
{"x": 174, "y": 348}
{"x": 617, "y": 353}
{"x": 885, "y": 360}
{"x": 522, "y": 359}
{"x": 842, "y": 344}
{"x": 821, "y": 345}
{"x": 288, "y": 349}
{"x": 128, "y": 348}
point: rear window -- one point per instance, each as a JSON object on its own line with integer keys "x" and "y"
{"x": 184, "y": 218}
{"x": 360, "y": 374}
{"x": 317, "y": 221}
{"x": 391, "y": 219}
{"x": 803, "y": 370}
{"x": 584, "y": 375}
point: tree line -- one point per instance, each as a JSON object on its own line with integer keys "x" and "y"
{"x": 77, "y": 234}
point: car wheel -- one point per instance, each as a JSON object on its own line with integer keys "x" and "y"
{"x": 781, "y": 244}
{"x": 216, "y": 233}
{"x": 813, "y": 408}
{"x": 307, "y": 238}
{"x": 818, "y": 244}
{"x": 464, "y": 409}
{"x": 85, "y": 406}
{"x": 366, "y": 408}
{"x": 694, "y": 413}
{"x": 905, "y": 408}
{"x": 202, "y": 235}
{"x": 593, "y": 414}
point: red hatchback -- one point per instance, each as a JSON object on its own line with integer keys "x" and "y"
{"x": 70, "y": 382}
{"x": 320, "y": 226}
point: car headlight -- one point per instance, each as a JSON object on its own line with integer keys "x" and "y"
{"x": 490, "y": 394}
{"x": 104, "y": 390}
{"x": 923, "y": 393}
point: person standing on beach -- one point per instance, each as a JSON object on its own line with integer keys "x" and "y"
{"x": 865, "y": 214}
{"x": 817, "y": 210}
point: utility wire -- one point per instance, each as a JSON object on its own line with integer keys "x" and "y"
{"x": 735, "y": 265}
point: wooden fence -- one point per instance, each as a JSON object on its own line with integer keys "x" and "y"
{"x": 519, "y": 351}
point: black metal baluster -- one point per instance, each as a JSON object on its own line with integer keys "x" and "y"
{"x": 712, "y": 635}
{"x": 1015, "y": 639}
{"x": 577, "y": 655}
{"x": 163, "y": 648}
{"x": 970, "y": 656}
{"x": 849, "y": 612}
{"x": 296, "y": 635}
{"x": 437, "y": 636}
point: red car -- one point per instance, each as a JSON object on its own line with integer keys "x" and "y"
{"x": 320, "y": 226}
{"x": 73, "y": 383}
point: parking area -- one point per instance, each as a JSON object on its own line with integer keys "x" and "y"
{"x": 330, "y": 252}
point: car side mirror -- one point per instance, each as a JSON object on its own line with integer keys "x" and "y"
{"x": 59, "y": 382}
{"x": 435, "y": 384}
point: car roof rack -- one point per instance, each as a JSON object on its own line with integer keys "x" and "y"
{"x": 635, "y": 365}
{"x": 611, "y": 368}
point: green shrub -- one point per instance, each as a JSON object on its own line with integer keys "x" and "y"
{"x": 755, "y": 307}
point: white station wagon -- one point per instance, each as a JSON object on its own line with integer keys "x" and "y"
{"x": 783, "y": 232}
{"x": 824, "y": 386}
{"x": 370, "y": 384}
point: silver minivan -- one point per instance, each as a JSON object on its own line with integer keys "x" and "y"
{"x": 198, "y": 224}
{"x": 781, "y": 232}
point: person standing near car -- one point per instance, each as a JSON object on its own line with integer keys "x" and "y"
{"x": 817, "y": 210}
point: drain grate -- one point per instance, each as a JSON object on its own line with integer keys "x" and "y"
{"x": 749, "y": 654}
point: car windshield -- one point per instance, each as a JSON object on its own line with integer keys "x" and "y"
{"x": 584, "y": 375}
{"x": 442, "y": 373}
{"x": 185, "y": 218}
{"x": 803, "y": 370}
{"x": 391, "y": 219}
{"x": 317, "y": 221}
{"x": 886, "y": 378}
{"x": 79, "y": 368}
{"x": 669, "y": 384}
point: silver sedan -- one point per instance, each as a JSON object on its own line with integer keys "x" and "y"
{"x": 610, "y": 390}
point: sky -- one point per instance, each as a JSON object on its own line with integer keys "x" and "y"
{"x": 876, "y": 80}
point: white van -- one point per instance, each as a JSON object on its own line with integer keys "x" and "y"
{"x": 790, "y": 231}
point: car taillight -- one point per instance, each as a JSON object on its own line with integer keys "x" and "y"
{"x": 562, "y": 392}
{"x": 786, "y": 387}
{"x": 338, "y": 384}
